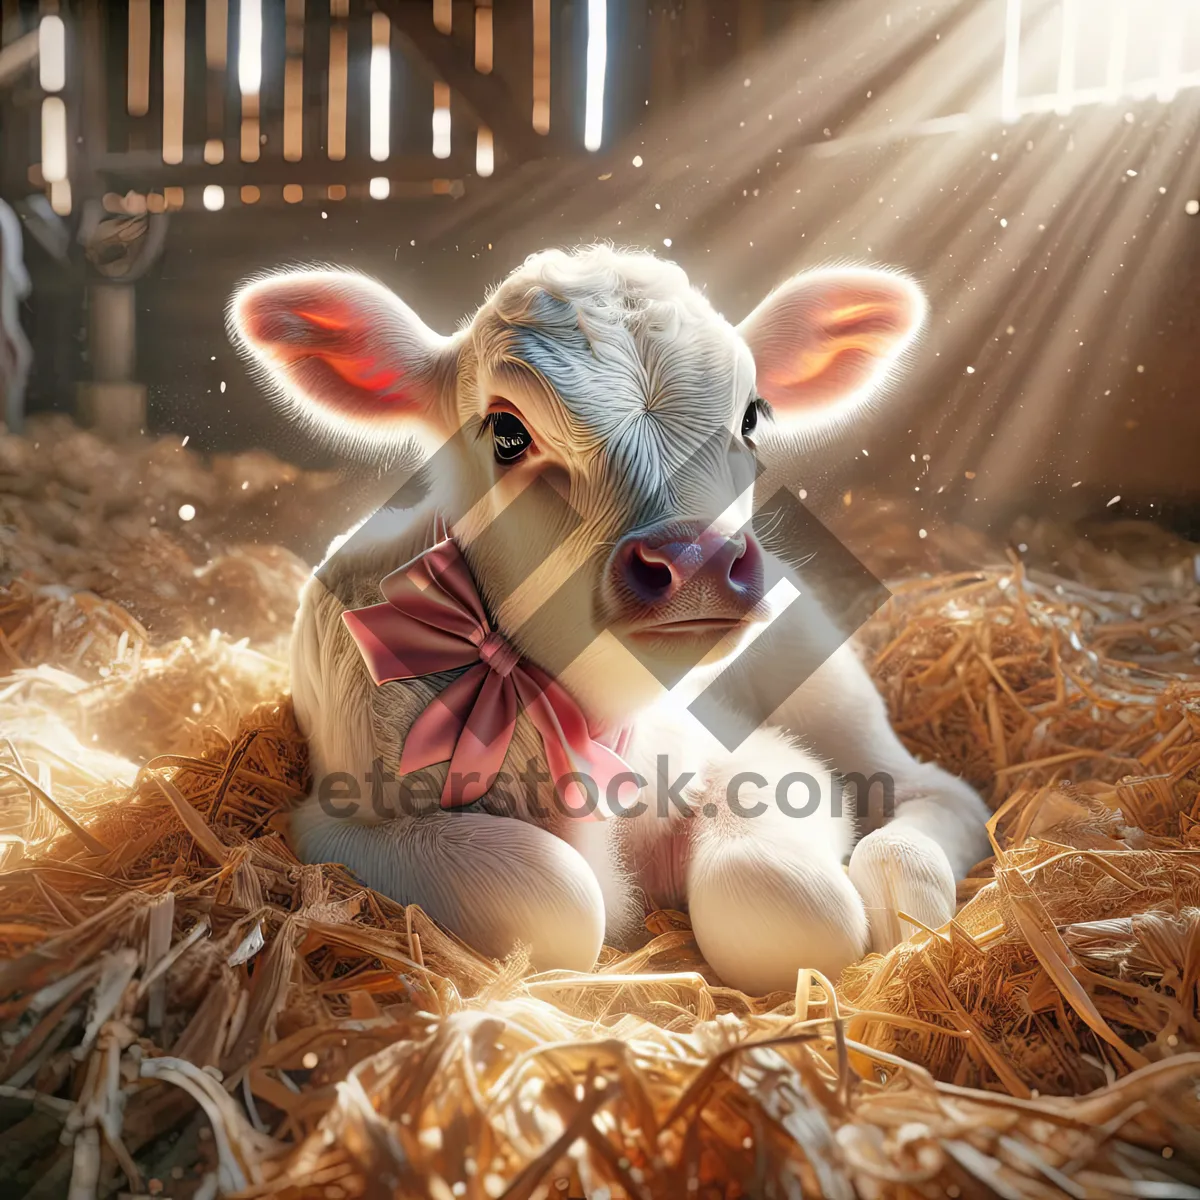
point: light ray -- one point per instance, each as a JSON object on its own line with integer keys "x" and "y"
{"x": 52, "y": 54}
{"x": 597, "y": 65}
{"x": 250, "y": 47}
{"x": 1118, "y": 39}
{"x": 1010, "y": 71}
{"x": 441, "y": 120}
{"x": 381, "y": 87}
{"x": 54, "y": 139}
{"x": 1170, "y": 49}
{"x": 1068, "y": 48}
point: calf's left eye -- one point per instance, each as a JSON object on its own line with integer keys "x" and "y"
{"x": 750, "y": 419}
{"x": 510, "y": 439}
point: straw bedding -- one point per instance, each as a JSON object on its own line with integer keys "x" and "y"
{"x": 187, "y": 1011}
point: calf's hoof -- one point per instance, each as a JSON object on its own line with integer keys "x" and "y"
{"x": 759, "y": 916}
{"x": 902, "y": 870}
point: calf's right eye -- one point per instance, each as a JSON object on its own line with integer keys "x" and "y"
{"x": 510, "y": 439}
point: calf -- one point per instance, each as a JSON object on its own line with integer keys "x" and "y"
{"x": 592, "y": 423}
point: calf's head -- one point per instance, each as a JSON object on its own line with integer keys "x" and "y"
{"x": 593, "y": 430}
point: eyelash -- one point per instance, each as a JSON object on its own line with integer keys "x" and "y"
{"x": 762, "y": 408}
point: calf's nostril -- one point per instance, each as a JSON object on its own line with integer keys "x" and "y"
{"x": 745, "y": 570}
{"x": 650, "y": 580}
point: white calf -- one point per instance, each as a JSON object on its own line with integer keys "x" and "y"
{"x": 594, "y": 422}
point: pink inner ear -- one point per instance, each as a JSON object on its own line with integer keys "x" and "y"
{"x": 870, "y": 319}
{"x": 323, "y": 321}
{"x": 343, "y": 348}
{"x": 354, "y": 372}
{"x": 823, "y": 340}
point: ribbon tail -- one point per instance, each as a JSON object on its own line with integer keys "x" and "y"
{"x": 570, "y": 748}
{"x": 433, "y": 735}
{"x": 483, "y": 742}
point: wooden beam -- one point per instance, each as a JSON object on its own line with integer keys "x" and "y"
{"x": 144, "y": 171}
{"x": 485, "y": 97}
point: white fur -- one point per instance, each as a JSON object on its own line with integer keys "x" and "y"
{"x": 620, "y": 369}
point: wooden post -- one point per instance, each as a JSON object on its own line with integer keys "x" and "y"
{"x": 111, "y": 403}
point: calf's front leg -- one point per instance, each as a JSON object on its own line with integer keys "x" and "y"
{"x": 908, "y": 858}
{"x": 766, "y": 889}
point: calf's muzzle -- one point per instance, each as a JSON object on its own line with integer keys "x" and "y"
{"x": 680, "y": 576}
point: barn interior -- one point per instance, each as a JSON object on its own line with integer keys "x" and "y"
{"x": 185, "y": 1010}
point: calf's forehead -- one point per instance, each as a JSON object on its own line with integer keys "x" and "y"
{"x": 599, "y": 365}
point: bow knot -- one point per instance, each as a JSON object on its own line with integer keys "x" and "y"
{"x": 433, "y": 620}
{"x": 498, "y": 654}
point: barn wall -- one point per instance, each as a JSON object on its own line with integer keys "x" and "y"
{"x": 763, "y": 153}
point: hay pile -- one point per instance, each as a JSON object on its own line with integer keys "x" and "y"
{"x": 184, "y": 546}
{"x": 187, "y": 1011}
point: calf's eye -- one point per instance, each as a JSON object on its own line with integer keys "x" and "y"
{"x": 750, "y": 419}
{"x": 510, "y": 439}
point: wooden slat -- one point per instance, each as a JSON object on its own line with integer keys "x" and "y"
{"x": 483, "y": 37}
{"x": 484, "y": 98}
{"x": 541, "y": 66}
{"x": 293, "y": 82}
{"x": 94, "y": 82}
{"x": 216, "y": 58}
{"x": 336, "y": 84}
{"x": 174, "y": 79}
{"x": 251, "y": 132}
{"x": 138, "y": 100}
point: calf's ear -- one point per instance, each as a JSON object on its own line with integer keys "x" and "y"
{"x": 824, "y": 340}
{"x": 347, "y": 355}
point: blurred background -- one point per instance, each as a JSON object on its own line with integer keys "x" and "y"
{"x": 1032, "y": 163}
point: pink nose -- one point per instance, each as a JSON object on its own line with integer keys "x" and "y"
{"x": 652, "y": 566}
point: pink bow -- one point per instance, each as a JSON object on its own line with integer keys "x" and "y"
{"x": 434, "y": 620}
